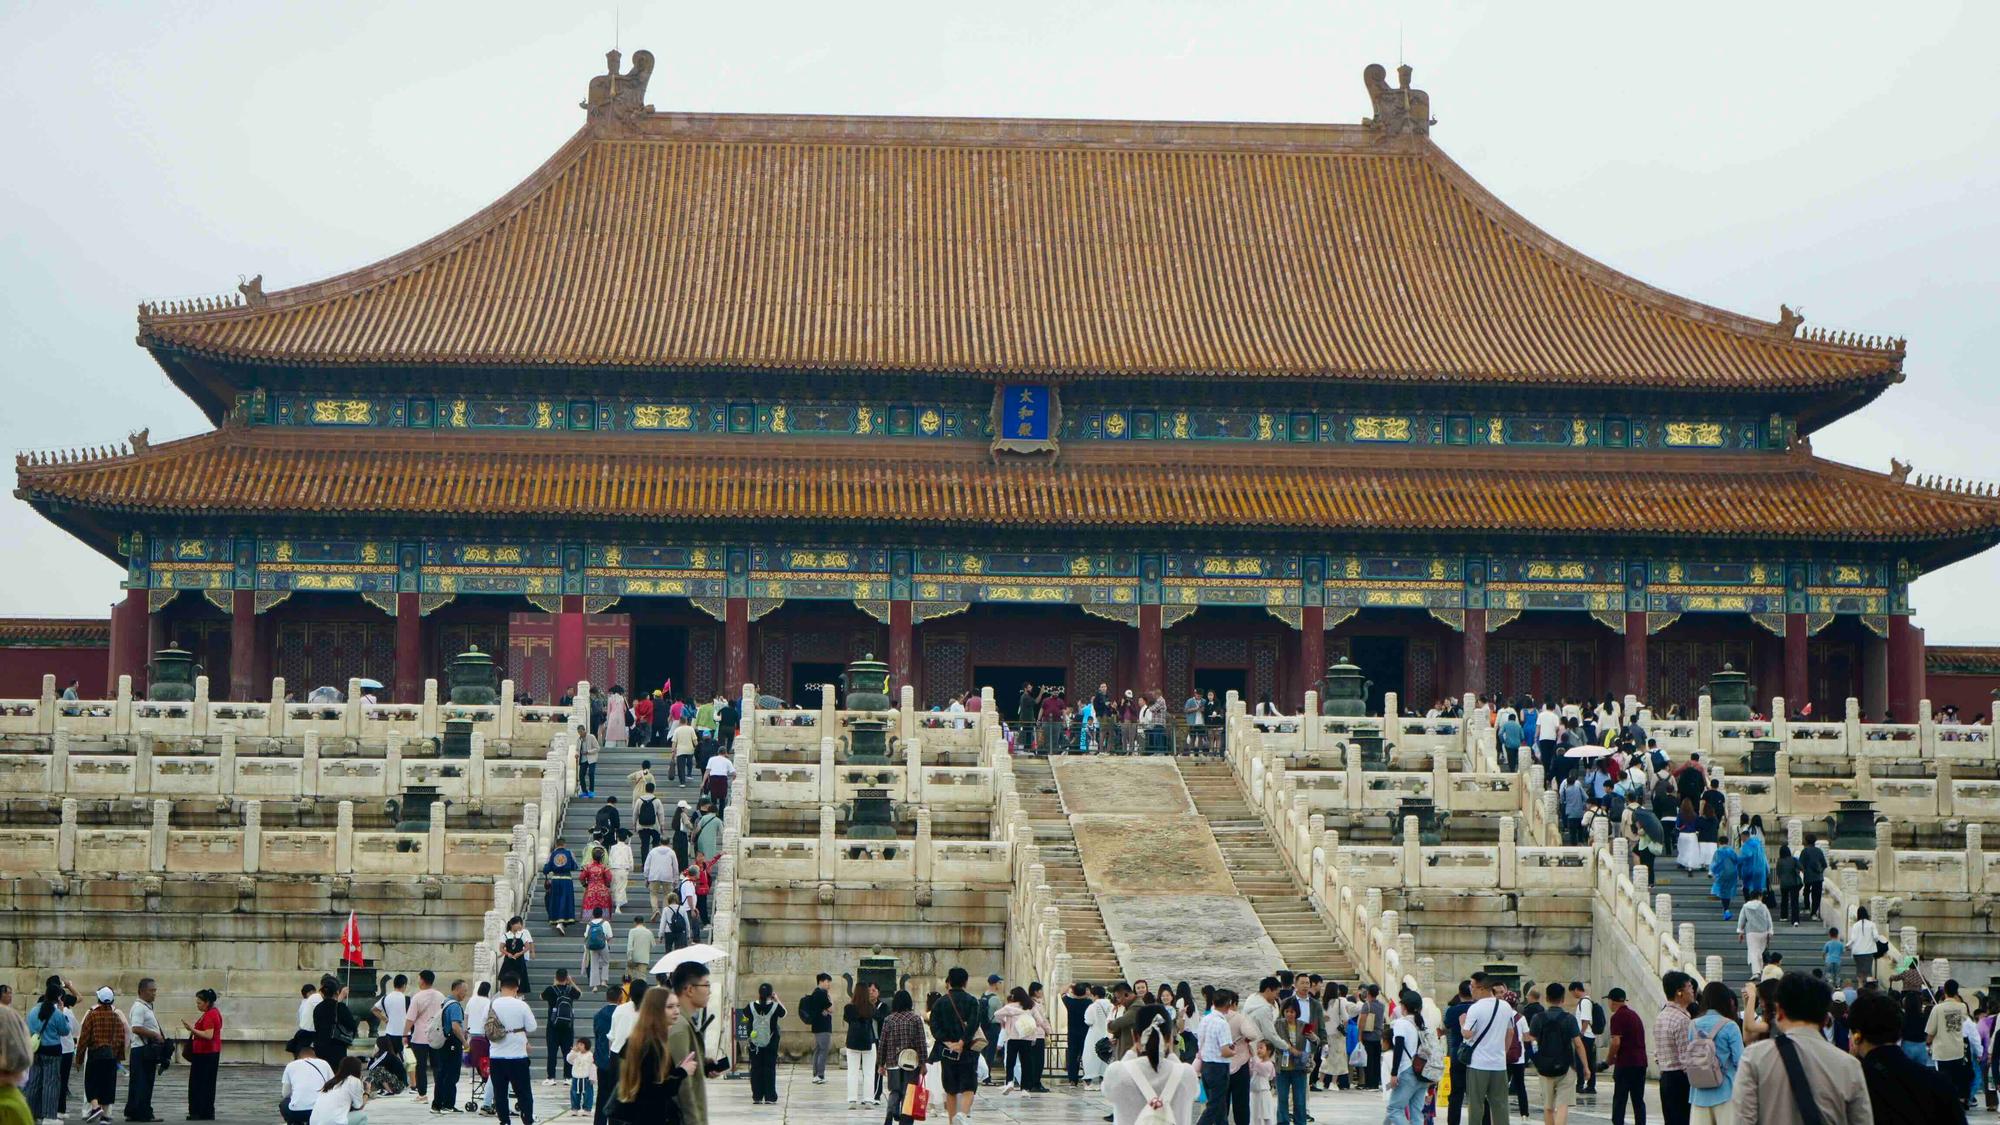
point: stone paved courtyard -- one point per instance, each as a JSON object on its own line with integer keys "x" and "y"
{"x": 248, "y": 1094}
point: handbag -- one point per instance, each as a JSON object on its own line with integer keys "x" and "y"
{"x": 187, "y": 1049}
{"x": 1462, "y": 1056}
{"x": 916, "y": 1101}
{"x": 1881, "y": 949}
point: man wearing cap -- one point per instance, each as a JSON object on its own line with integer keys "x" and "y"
{"x": 1627, "y": 1056}
{"x": 147, "y": 1048}
{"x": 100, "y": 1043}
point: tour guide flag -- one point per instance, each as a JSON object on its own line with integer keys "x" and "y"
{"x": 350, "y": 940}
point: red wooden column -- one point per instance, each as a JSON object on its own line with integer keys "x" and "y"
{"x": 736, "y": 646}
{"x": 1152, "y": 662}
{"x": 899, "y": 646}
{"x": 1905, "y": 666}
{"x": 131, "y": 628}
{"x": 242, "y": 645}
{"x": 1312, "y": 650}
{"x": 1635, "y": 654}
{"x": 1473, "y": 652}
{"x": 569, "y": 660}
{"x": 409, "y": 686}
{"x": 1796, "y": 688}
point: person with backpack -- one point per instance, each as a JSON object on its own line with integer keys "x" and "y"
{"x": 596, "y": 954}
{"x": 1487, "y": 1042}
{"x": 446, "y": 1056}
{"x": 765, "y": 1012}
{"x": 1559, "y": 1056}
{"x": 1714, "y": 1050}
{"x": 509, "y": 1022}
{"x": 1416, "y": 1061}
{"x": 646, "y": 814}
{"x": 816, "y": 1009}
{"x": 560, "y": 996}
{"x": 1590, "y": 1021}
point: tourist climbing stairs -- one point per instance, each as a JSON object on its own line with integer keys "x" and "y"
{"x": 1304, "y": 939}
{"x": 1092, "y": 958}
{"x": 1713, "y": 934}
{"x": 553, "y": 950}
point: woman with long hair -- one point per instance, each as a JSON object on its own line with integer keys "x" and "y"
{"x": 1095, "y": 1019}
{"x": 344, "y": 1093}
{"x": 596, "y": 877}
{"x": 1864, "y": 941}
{"x": 649, "y": 1077}
{"x": 334, "y": 1025}
{"x": 1715, "y": 1019}
{"x": 205, "y": 1047}
{"x": 1027, "y": 1030}
{"x": 1151, "y": 1075}
{"x": 860, "y": 1046}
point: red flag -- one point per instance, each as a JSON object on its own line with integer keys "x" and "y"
{"x": 350, "y": 940}
{"x": 1806, "y": 710}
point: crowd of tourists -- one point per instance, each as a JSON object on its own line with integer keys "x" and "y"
{"x": 63, "y": 1036}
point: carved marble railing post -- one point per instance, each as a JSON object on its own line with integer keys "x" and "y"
{"x": 828, "y": 790}
{"x": 1309, "y": 725}
{"x": 1551, "y": 819}
{"x": 1781, "y": 782}
{"x": 924, "y": 844}
{"x": 829, "y": 718}
{"x": 1663, "y": 912}
{"x": 435, "y": 845}
{"x": 1851, "y": 728}
{"x": 828, "y": 855}
{"x": 1705, "y": 723}
{"x": 906, "y": 712}
{"x": 1975, "y": 859}
{"x": 428, "y": 725}
{"x": 225, "y": 764}
{"x": 198, "y": 710}
{"x": 275, "y": 718}
{"x": 66, "y": 837}
{"x": 1354, "y": 786}
{"x": 59, "y": 781}
{"x": 1712, "y": 965}
{"x": 343, "y": 840}
{"x": 351, "y": 712}
{"x": 156, "y": 840}
{"x": 1945, "y": 800}
{"x": 1885, "y": 864}
{"x": 913, "y": 777}
{"x": 49, "y": 707}
{"x": 1509, "y": 856}
{"x": 475, "y": 778}
{"x": 506, "y": 723}
{"x": 392, "y": 762}
{"x": 121, "y": 708}
{"x": 1795, "y": 833}
{"x": 579, "y": 706}
{"x": 1926, "y": 735}
{"x": 1441, "y": 778}
{"x": 1906, "y": 940}
{"x": 1864, "y": 773}
{"x": 253, "y": 836}
{"x": 142, "y": 743}
{"x": 309, "y": 782}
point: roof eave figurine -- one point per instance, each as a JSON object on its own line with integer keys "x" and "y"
{"x": 620, "y": 97}
{"x": 1399, "y": 111}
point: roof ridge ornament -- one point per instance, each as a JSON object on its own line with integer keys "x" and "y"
{"x": 1399, "y": 111}
{"x": 620, "y": 97}
{"x": 1789, "y": 320}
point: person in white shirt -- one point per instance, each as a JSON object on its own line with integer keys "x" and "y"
{"x": 509, "y": 1054}
{"x": 684, "y": 746}
{"x": 394, "y": 1006}
{"x": 1488, "y": 1025}
{"x": 308, "y": 1000}
{"x": 720, "y": 771}
{"x": 619, "y": 859}
{"x": 662, "y": 865}
{"x": 145, "y": 1046}
{"x": 299, "y": 1087}
{"x": 342, "y": 1094}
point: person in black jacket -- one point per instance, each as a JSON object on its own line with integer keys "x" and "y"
{"x": 1901, "y": 1090}
{"x": 333, "y": 1025}
{"x": 1075, "y": 1003}
{"x": 816, "y": 1009}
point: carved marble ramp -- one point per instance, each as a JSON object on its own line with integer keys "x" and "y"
{"x": 1169, "y": 906}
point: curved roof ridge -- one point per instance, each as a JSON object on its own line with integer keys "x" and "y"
{"x": 1606, "y": 274}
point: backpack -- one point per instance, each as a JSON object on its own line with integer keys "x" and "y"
{"x": 677, "y": 931}
{"x": 1430, "y": 1060}
{"x": 1552, "y": 1059}
{"x": 1698, "y": 1061}
{"x": 1596, "y": 1018}
{"x": 649, "y": 814}
{"x": 1165, "y": 1114}
{"x": 593, "y": 936}
{"x": 761, "y": 1025}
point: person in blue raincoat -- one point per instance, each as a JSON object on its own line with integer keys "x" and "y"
{"x": 1724, "y": 870}
{"x": 1751, "y": 864}
{"x": 560, "y": 874}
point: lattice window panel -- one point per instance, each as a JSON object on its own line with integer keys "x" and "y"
{"x": 947, "y": 672}
{"x": 1042, "y": 647}
{"x": 1680, "y": 669}
{"x": 1223, "y": 652}
{"x": 1830, "y": 669}
{"x": 1420, "y": 672}
{"x": 1263, "y": 671}
{"x": 776, "y": 679}
{"x": 821, "y": 646}
{"x": 1091, "y": 663}
{"x": 701, "y": 661}
{"x": 1179, "y": 682}
{"x": 309, "y": 654}
{"x": 531, "y": 664}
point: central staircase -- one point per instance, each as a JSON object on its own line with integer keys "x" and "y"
{"x": 1800, "y": 944}
{"x": 1260, "y": 874}
{"x": 1092, "y": 958}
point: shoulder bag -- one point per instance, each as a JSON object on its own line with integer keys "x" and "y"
{"x": 1795, "y": 1076}
{"x": 1463, "y": 1055}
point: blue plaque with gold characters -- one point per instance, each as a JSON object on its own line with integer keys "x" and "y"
{"x": 1026, "y": 418}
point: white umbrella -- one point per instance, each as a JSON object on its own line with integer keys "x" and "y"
{"x": 706, "y": 954}
{"x": 1587, "y": 752}
{"x": 366, "y": 684}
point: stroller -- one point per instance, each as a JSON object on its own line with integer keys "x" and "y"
{"x": 479, "y": 1067}
{"x": 386, "y": 1074}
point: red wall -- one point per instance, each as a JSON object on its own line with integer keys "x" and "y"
{"x": 22, "y": 669}
{"x": 1972, "y": 695}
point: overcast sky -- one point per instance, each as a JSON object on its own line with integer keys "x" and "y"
{"x": 1842, "y": 157}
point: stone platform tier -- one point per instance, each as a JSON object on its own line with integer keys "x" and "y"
{"x": 505, "y": 721}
